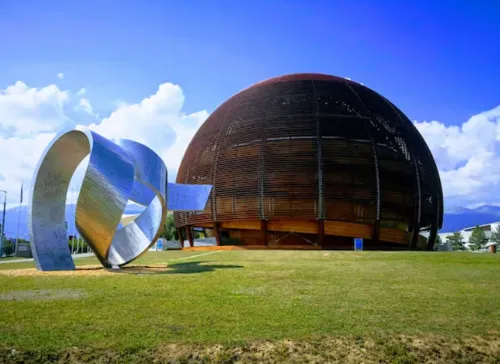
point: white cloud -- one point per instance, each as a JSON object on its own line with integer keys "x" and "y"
{"x": 157, "y": 121}
{"x": 25, "y": 111}
{"x": 468, "y": 157}
{"x": 19, "y": 158}
{"x": 81, "y": 92}
{"x": 60, "y": 75}
{"x": 85, "y": 106}
{"x": 30, "y": 118}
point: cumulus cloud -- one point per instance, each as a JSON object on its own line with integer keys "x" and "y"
{"x": 25, "y": 111}
{"x": 157, "y": 121}
{"x": 85, "y": 106}
{"x": 31, "y": 117}
{"x": 81, "y": 92}
{"x": 468, "y": 157}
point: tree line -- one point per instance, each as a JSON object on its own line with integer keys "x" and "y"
{"x": 477, "y": 240}
{"x": 170, "y": 231}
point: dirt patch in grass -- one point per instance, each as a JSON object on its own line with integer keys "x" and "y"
{"x": 400, "y": 349}
{"x": 42, "y": 295}
{"x": 88, "y": 270}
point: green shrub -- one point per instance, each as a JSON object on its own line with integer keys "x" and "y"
{"x": 7, "y": 247}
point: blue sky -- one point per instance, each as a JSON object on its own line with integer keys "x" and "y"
{"x": 436, "y": 60}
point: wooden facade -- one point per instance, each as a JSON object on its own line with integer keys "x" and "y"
{"x": 313, "y": 159}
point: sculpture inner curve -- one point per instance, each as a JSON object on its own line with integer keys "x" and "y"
{"x": 150, "y": 174}
{"x": 104, "y": 194}
{"x": 48, "y": 200}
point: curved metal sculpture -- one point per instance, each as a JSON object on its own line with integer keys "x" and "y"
{"x": 116, "y": 173}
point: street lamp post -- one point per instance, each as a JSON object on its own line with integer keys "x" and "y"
{"x": 3, "y": 222}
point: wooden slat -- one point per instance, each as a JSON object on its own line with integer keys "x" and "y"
{"x": 205, "y": 225}
{"x": 296, "y": 226}
{"x": 349, "y": 229}
{"x": 244, "y": 224}
{"x": 394, "y": 235}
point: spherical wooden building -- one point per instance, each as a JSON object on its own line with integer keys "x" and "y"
{"x": 313, "y": 160}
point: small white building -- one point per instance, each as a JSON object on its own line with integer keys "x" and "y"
{"x": 467, "y": 232}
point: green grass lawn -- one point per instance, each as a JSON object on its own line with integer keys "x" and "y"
{"x": 237, "y": 298}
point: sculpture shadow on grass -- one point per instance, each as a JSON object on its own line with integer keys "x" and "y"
{"x": 176, "y": 268}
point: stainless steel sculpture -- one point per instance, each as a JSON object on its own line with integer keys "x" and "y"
{"x": 116, "y": 174}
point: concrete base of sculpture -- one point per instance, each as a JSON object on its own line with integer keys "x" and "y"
{"x": 116, "y": 173}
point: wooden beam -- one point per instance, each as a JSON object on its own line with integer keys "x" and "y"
{"x": 205, "y": 225}
{"x": 321, "y": 231}
{"x": 348, "y": 229}
{"x": 394, "y": 236}
{"x": 414, "y": 236}
{"x": 189, "y": 235}
{"x": 320, "y": 162}
{"x": 432, "y": 237}
{"x": 243, "y": 225}
{"x": 217, "y": 233}
{"x": 181, "y": 238}
{"x": 263, "y": 229}
{"x": 295, "y": 226}
{"x": 376, "y": 231}
{"x": 330, "y": 227}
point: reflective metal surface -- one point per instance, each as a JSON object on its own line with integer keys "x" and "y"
{"x": 187, "y": 197}
{"x": 116, "y": 173}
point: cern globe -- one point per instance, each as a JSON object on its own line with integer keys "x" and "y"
{"x": 313, "y": 160}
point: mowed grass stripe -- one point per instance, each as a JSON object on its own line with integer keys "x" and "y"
{"x": 194, "y": 256}
{"x": 251, "y": 295}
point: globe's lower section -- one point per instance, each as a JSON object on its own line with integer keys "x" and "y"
{"x": 304, "y": 234}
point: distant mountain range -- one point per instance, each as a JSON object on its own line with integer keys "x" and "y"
{"x": 21, "y": 213}
{"x": 461, "y": 217}
{"x": 454, "y": 219}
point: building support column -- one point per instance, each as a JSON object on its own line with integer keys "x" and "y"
{"x": 181, "y": 238}
{"x": 418, "y": 206}
{"x": 432, "y": 237}
{"x": 376, "y": 231}
{"x": 321, "y": 232}
{"x": 263, "y": 230}
{"x": 217, "y": 233}
{"x": 189, "y": 235}
{"x": 414, "y": 236}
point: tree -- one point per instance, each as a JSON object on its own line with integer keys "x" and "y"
{"x": 8, "y": 247}
{"x": 77, "y": 245}
{"x": 170, "y": 232}
{"x": 495, "y": 235}
{"x": 437, "y": 243}
{"x": 456, "y": 240}
{"x": 477, "y": 239}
